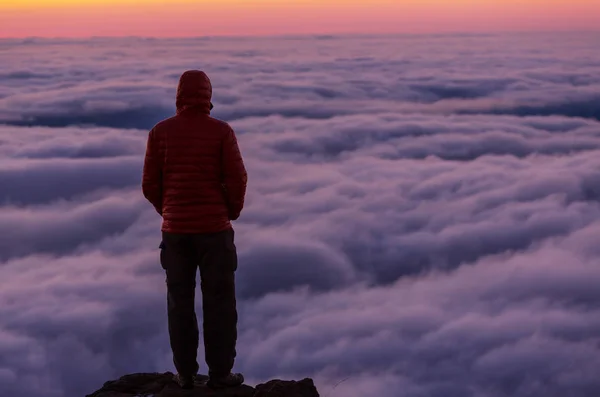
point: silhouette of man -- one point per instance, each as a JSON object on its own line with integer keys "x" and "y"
{"x": 195, "y": 178}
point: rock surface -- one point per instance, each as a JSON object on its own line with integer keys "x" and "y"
{"x": 162, "y": 385}
{"x": 282, "y": 388}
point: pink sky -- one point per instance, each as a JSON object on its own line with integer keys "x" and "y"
{"x": 70, "y": 18}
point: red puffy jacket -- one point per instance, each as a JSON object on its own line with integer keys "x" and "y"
{"x": 194, "y": 174}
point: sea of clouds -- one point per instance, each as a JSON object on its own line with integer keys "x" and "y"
{"x": 422, "y": 219}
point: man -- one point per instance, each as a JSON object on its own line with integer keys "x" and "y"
{"x": 195, "y": 178}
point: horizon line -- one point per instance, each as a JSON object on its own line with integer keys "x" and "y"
{"x": 310, "y": 35}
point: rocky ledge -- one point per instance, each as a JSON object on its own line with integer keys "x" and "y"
{"x": 162, "y": 385}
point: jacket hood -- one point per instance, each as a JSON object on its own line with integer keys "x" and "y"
{"x": 194, "y": 91}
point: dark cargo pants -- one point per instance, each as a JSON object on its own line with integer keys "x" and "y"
{"x": 216, "y": 256}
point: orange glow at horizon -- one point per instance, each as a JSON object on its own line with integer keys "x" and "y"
{"x": 178, "y": 18}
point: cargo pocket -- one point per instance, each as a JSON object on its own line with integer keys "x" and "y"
{"x": 231, "y": 252}
{"x": 163, "y": 259}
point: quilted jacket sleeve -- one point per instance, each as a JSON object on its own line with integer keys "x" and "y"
{"x": 235, "y": 177}
{"x": 152, "y": 174}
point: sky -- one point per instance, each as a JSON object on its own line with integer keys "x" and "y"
{"x": 422, "y": 215}
{"x": 179, "y": 18}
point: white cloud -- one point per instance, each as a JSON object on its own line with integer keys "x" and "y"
{"x": 406, "y": 227}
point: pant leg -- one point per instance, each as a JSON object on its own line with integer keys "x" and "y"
{"x": 217, "y": 272}
{"x": 180, "y": 263}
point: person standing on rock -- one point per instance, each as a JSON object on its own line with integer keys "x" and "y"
{"x": 195, "y": 178}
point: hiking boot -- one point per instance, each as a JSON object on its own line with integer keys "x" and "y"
{"x": 185, "y": 382}
{"x": 231, "y": 380}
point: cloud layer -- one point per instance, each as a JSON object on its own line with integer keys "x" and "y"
{"x": 422, "y": 214}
